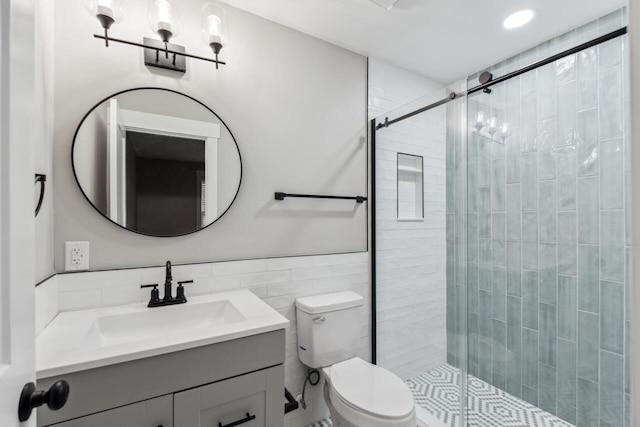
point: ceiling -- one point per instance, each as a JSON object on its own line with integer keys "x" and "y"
{"x": 441, "y": 39}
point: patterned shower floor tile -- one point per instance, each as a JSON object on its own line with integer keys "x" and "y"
{"x": 322, "y": 423}
{"x": 438, "y": 392}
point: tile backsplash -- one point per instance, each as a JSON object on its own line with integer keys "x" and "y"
{"x": 278, "y": 281}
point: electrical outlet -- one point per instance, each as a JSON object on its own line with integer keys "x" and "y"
{"x": 76, "y": 255}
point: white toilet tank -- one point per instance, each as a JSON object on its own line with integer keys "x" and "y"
{"x": 329, "y": 328}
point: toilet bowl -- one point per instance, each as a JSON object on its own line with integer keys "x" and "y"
{"x": 358, "y": 393}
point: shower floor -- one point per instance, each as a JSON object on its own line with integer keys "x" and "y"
{"x": 437, "y": 391}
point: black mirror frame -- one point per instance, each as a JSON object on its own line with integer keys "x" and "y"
{"x": 75, "y": 175}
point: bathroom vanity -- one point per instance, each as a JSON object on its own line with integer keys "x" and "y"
{"x": 225, "y": 370}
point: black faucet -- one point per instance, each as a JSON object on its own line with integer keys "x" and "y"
{"x": 167, "y": 284}
{"x": 168, "y": 299}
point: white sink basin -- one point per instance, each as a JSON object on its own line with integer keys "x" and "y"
{"x": 86, "y": 339}
{"x": 169, "y": 321}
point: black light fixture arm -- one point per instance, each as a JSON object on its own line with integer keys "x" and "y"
{"x": 282, "y": 196}
{"x": 158, "y": 50}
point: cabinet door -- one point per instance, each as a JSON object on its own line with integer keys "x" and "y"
{"x": 251, "y": 400}
{"x": 150, "y": 413}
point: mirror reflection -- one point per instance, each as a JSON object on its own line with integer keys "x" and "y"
{"x": 156, "y": 162}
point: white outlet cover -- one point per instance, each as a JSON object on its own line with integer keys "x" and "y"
{"x": 76, "y": 256}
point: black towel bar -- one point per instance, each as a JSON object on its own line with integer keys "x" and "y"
{"x": 282, "y": 196}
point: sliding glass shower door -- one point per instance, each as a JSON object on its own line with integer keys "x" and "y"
{"x": 548, "y": 237}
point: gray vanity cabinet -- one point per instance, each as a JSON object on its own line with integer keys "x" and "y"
{"x": 208, "y": 385}
{"x": 253, "y": 400}
{"x": 150, "y": 413}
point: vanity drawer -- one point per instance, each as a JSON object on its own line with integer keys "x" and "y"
{"x": 150, "y": 413}
{"x": 251, "y": 400}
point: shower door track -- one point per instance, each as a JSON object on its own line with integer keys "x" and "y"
{"x": 451, "y": 97}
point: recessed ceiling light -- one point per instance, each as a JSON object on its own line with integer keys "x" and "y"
{"x": 518, "y": 19}
{"x": 387, "y": 4}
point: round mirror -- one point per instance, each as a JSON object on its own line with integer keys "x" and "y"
{"x": 156, "y": 162}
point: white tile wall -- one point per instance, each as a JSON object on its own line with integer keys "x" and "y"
{"x": 46, "y": 301}
{"x": 411, "y": 255}
{"x": 277, "y": 281}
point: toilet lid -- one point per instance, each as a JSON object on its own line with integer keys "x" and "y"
{"x": 371, "y": 389}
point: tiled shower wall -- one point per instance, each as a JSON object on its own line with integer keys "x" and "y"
{"x": 410, "y": 258}
{"x": 548, "y": 232}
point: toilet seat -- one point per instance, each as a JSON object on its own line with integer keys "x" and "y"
{"x": 367, "y": 394}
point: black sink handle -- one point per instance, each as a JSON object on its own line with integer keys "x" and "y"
{"x": 185, "y": 282}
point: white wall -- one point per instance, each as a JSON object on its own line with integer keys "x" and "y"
{"x": 296, "y": 105}
{"x": 44, "y": 135}
{"x": 411, "y": 256}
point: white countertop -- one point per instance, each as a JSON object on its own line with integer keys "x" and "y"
{"x": 87, "y": 339}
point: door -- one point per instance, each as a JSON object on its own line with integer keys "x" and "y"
{"x": 116, "y": 170}
{"x": 17, "y": 365}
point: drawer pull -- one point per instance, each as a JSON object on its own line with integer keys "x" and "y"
{"x": 237, "y": 423}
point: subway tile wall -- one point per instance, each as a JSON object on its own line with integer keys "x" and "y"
{"x": 278, "y": 281}
{"x": 548, "y": 213}
{"x": 410, "y": 258}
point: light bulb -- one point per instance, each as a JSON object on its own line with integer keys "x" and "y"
{"x": 108, "y": 12}
{"x": 164, "y": 19}
{"x": 505, "y": 131}
{"x": 214, "y": 31}
{"x": 480, "y": 120}
{"x": 492, "y": 125}
{"x": 164, "y": 15}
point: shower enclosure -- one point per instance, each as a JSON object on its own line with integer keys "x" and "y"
{"x": 502, "y": 239}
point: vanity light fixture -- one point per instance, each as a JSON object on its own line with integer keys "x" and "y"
{"x": 164, "y": 20}
{"x": 488, "y": 129}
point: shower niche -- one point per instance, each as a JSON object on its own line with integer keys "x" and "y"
{"x": 410, "y": 188}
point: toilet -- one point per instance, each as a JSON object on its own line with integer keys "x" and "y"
{"x": 358, "y": 393}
